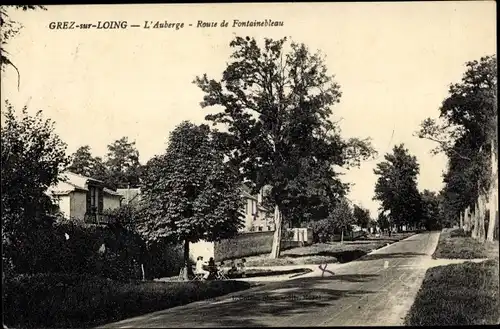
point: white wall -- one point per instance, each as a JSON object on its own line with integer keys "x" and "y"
{"x": 64, "y": 203}
{"x": 201, "y": 248}
{"x": 78, "y": 204}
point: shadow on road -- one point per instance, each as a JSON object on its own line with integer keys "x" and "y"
{"x": 391, "y": 256}
{"x": 341, "y": 256}
{"x": 275, "y": 302}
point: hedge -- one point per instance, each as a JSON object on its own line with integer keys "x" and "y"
{"x": 80, "y": 301}
{"x": 248, "y": 244}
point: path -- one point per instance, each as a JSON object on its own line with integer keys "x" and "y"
{"x": 377, "y": 289}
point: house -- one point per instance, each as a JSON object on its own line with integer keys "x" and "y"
{"x": 257, "y": 217}
{"x": 131, "y": 196}
{"x": 83, "y": 198}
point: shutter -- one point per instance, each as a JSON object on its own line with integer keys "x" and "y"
{"x": 100, "y": 201}
{"x": 87, "y": 210}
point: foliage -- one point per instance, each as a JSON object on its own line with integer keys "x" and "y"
{"x": 340, "y": 219}
{"x": 323, "y": 230}
{"x": 396, "y": 186}
{"x": 431, "y": 214}
{"x": 83, "y": 163}
{"x": 384, "y": 221}
{"x": 343, "y": 216}
{"x": 32, "y": 157}
{"x": 126, "y": 215}
{"x": 276, "y": 111}
{"x": 466, "y": 125}
{"x": 122, "y": 161}
{"x": 190, "y": 192}
{"x": 83, "y": 301}
{"x": 68, "y": 246}
{"x": 362, "y": 216}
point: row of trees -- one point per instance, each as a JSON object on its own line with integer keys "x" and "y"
{"x": 401, "y": 202}
{"x": 119, "y": 169}
{"x": 467, "y": 133}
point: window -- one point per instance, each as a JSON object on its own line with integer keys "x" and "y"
{"x": 93, "y": 199}
{"x": 260, "y": 228}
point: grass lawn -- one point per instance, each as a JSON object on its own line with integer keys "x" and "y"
{"x": 458, "y": 294}
{"x": 454, "y": 245}
{"x": 323, "y": 253}
{"x": 63, "y": 301}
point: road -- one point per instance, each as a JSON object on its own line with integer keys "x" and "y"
{"x": 377, "y": 289}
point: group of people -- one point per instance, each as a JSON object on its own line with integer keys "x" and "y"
{"x": 209, "y": 270}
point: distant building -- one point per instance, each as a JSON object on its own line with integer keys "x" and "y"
{"x": 257, "y": 217}
{"x": 131, "y": 196}
{"x": 83, "y": 198}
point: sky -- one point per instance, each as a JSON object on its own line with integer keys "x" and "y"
{"x": 393, "y": 61}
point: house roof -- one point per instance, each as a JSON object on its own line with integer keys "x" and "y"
{"x": 70, "y": 181}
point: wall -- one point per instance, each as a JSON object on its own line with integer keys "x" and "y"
{"x": 248, "y": 244}
{"x": 64, "y": 203}
{"x": 302, "y": 234}
{"x": 78, "y": 204}
{"x": 201, "y": 248}
{"x": 110, "y": 201}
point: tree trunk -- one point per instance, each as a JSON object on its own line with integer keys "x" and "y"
{"x": 461, "y": 220}
{"x": 467, "y": 220}
{"x": 276, "y": 248}
{"x": 475, "y": 221}
{"x": 342, "y": 237}
{"x": 186, "y": 261}
{"x": 481, "y": 214}
{"x": 493, "y": 195}
{"x": 143, "y": 273}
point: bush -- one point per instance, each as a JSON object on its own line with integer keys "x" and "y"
{"x": 70, "y": 301}
{"x": 73, "y": 247}
{"x": 163, "y": 260}
{"x": 323, "y": 230}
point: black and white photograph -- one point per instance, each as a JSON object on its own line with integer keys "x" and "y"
{"x": 298, "y": 164}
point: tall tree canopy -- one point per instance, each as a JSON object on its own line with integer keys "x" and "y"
{"x": 276, "y": 108}
{"x": 466, "y": 132}
{"x": 32, "y": 157}
{"x": 396, "y": 186}
{"x": 190, "y": 192}
{"x": 431, "y": 214}
{"x": 83, "y": 163}
{"x": 362, "y": 216}
{"x": 122, "y": 161}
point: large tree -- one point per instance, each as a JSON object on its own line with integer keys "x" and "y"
{"x": 191, "y": 193}
{"x": 362, "y": 216}
{"x": 276, "y": 109}
{"x": 431, "y": 214}
{"x": 122, "y": 162}
{"x": 396, "y": 186}
{"x": 32, "y": 158}
{"x": 467, "y": 132}
{"x": 343, "y": 217}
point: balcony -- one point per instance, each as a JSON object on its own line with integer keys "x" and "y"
{"x": 97, "y": 219}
